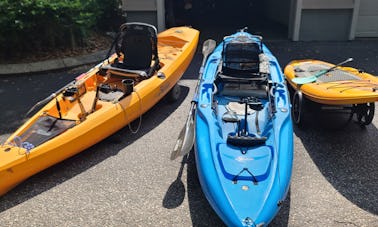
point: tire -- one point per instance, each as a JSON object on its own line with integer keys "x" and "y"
{"x": 297, "y": 108}
{"x": 290, "y": 89}
{"x": 365, "y": 113}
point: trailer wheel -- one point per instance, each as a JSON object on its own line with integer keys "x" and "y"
{"x": 365, "y": 113}
{"x": 296, "y": 110}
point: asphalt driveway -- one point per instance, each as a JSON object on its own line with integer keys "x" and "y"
{"x": 129, "y": 180}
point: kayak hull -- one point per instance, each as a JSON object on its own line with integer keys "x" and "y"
{"x": 176, "y": 48}
{"x": 245, "y": 185}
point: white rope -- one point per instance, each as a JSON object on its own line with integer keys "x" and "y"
{"x": 140, "y": 117}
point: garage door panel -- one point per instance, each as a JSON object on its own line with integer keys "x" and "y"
{"x": 367, "y": 23}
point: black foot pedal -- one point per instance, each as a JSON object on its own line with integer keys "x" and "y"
{"x": 245, "y": 141}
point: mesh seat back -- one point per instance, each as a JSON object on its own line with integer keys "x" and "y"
{"x": 138, "y": 44}
{"x": 241, "y": 57}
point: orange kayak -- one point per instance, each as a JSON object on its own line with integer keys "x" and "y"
{"x": 94, "y": 106}
{"x": 342, "y": 86}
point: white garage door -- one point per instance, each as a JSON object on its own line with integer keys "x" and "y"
{"x": 367, "y": 23}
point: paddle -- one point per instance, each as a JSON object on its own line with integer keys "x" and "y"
{"x": 185, "y": 140}
{"x": 53, "y": 95}
{"x": 49, "y": 98}
{"x": 310, "y": 79}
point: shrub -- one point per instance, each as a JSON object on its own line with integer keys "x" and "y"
{"x": 109, "y": 15}
{"x": 42, "y": 24}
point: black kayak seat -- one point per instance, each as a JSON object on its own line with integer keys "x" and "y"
{"x": 241, "y": 56}
{"x": 137, "y": 43}
{"x": 241, "y": 71}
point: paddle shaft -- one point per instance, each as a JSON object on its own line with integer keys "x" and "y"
{"x": 332, "y": 68}
{"x": 49, "y": 98}
{"x": 56, "y": 93}
{"x": 200, "y": 74}
{"x": 310, "y": 79}
{"x": 208, "y": 47}
{"x": 185, "y": 140}
{"x": 194, "y": 101}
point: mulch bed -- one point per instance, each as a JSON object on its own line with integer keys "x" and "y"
{"x": 95, "y": 42}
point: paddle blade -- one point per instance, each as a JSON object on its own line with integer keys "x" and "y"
{"x": 185, "y": 140}
{"x": 304, "y": 80}
{"x": 208, "y": 47}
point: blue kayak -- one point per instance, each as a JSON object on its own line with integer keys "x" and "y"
{"x": 243, "y": 132}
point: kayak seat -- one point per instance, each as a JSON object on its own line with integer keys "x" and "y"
{"x": 240, "y": 56}
{"x": 136, "y": 49}
{"x": 243, "y": 70}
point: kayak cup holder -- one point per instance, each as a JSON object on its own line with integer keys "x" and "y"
{"x": 128, "y": 86}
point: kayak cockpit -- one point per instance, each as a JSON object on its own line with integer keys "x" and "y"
{"x": 243, "y": 122}
{"x": 243, "y": 85}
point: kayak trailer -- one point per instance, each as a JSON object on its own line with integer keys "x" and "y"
{"x": 321, "y": 86}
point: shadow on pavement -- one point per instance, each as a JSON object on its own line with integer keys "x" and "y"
{"x": 346, "y": 157}
{"x": 201, "y": 212}
{"x": 282, "y": 217}
{"x": 90, "y": 157}
{"x": 175, "y": 194}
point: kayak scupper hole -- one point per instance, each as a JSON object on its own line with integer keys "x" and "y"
{"x": 7, "y": 149}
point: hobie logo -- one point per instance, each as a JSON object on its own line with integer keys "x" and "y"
{"x": 244, "y": 159}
